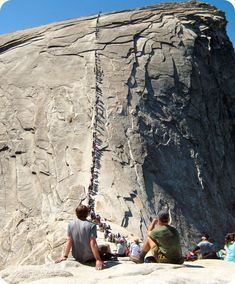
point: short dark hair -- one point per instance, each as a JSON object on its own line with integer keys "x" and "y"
{"x": 163, "y": 216}
{"x": 206, "y": 236}
{"x": 82, "y": 212}
{"x": 230, "y": 237}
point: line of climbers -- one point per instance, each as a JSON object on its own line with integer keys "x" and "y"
{"x": 97, "y": 130}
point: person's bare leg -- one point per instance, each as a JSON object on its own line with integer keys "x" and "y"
{"x": 151, "y": 243}
{"x": 148, "y": 244}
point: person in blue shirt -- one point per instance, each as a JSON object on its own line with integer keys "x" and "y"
{"x": 205, "y": 249}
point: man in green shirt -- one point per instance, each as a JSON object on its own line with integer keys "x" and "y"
{"x": 163, "y": 240}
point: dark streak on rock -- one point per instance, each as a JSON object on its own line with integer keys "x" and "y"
{"x": 4, "y": 148}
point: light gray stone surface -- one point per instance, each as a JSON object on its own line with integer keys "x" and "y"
{"x": 152, "y": 90}
{"x": 69, "y": 272}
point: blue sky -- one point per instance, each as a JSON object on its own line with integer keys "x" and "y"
{"x": 21, "y": 14}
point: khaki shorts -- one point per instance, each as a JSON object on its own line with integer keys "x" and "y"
{"x": 161, "y": 258}
{"x": 158, "y": 255}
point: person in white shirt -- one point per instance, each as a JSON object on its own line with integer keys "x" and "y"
{"x": 134, "y": 248}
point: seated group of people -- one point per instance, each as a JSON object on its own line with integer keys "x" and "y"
{"x": 123, "y": 248}
{"x": 207, "y": 250}
{"x": 163, "y": 242}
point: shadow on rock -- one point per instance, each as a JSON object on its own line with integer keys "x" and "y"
{"x": 194, "y": 266}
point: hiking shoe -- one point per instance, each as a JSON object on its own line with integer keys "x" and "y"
{"x": 137, "y": 259}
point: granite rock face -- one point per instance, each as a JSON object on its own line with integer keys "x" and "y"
{"x": 129, "y": 112}
{"x": 71, "y": 272}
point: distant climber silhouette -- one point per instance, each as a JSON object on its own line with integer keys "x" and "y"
{"x": 2, "y": 2}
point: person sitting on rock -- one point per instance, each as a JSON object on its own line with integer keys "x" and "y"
{"x": 121, "y": 247}
{"x": 205, "y": 249}
{"x": 134, "y": 248}
{"x": 229, "y": 248}
{"x": 163, "y": 240}
{"x": 106, "y": 233}
{"x": 82, "y": 236}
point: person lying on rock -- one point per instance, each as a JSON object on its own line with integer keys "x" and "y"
{"x": 163, "y": 240}
{"x": 82, "y": 236}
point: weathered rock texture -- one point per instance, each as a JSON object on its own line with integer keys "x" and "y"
{"x": 135, "y": 107}
{"x": 71, "y": 272}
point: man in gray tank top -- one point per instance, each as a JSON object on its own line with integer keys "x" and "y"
{"x": 82, "y": 236}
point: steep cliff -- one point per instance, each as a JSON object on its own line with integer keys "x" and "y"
{"x": 130, "y": 112}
